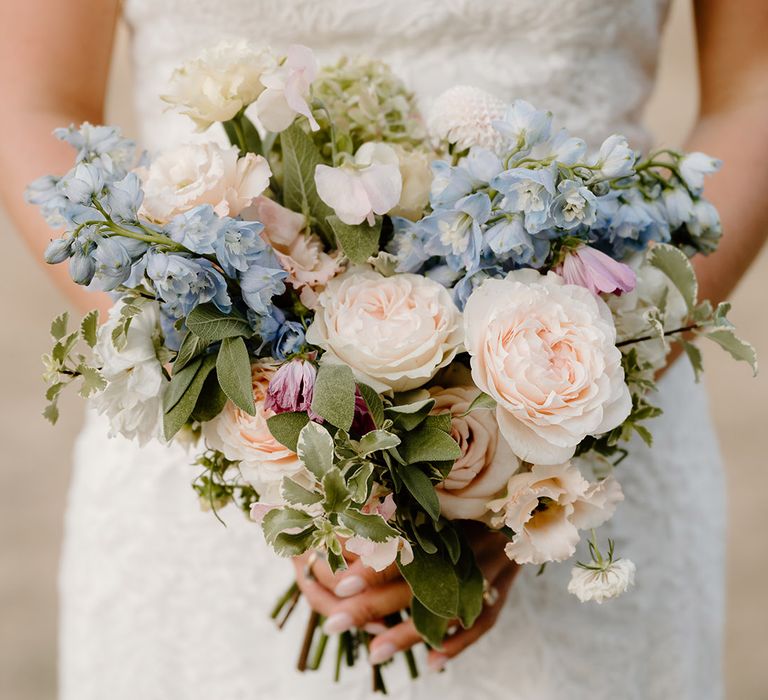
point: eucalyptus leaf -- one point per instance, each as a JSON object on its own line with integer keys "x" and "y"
{"x": 434, "y": 583}
{"x": 285, "y": 428}
{"x": 676, "y": 266}
{"x": 430, "y": 626}
{"x": 233, "y": 368}
{"x": 210, "y": 324}
{"x": 315, "y": 449}
{"x": 334, "y": 395}
{"x": 359, "y": 242}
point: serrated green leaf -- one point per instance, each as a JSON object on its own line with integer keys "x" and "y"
{"x": 233, "y": 368}
{"x": 374, "y": 403}
{"x": 357, "y": 242}
{"x": 430, "y": 626}
{"x": 315, "y": 449}
{"x": 180, "y": 382}
{"x": 54, "y": 390}
{"x": 676, "y": 266}
{"x": 428, "y": 444}
{"x": 376, "y": 440}
{"x": 695, "y": 357}
{"x": 737, "y": 348}
{"x": 285, "y": 428}
{"x": 370, "y": 526}
{"x": 51, "y": 413}
{"x": 89, "y": 328}
{"x": 334, "y": 395}
{"x": 180, "y": 412}
{"x": 422, "y": 489}
{"x": 481, "y": 402}
{"x": 337, "y": 496}
{"x": 64, "y": 346}
{"x": 191, "y": 347}
{"x": 92, "y": 381}
{"x": 210, "y": 324}
{"x": 59, "y": 326}
{"x": 359, "y": 483}
{"x": 297, "y": 495}
{"x": 434, "y": 582}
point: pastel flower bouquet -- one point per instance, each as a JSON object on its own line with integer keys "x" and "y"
{"x": 376, "y": 327}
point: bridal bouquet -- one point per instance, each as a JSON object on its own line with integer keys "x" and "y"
{"x": 375, "y": 327}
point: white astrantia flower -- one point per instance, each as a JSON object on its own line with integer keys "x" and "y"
{"x": 370, "y": 184}
{"x": 464, "y": 116}
{"x": 599, "y": 584}
{"x": 133, "y": 398}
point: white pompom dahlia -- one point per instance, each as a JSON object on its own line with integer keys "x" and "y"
{"x": 464, "y": 116}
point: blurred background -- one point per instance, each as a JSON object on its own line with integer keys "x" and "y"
{"x": 36, "y": 458}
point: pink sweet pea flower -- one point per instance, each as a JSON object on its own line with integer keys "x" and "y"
{"x": 597, "y": 272}
{"x": 292, "y": 388}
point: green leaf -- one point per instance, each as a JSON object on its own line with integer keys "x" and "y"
{"x": 440, "y": 421}
{"x": 422, "y": 489}
{"x": 695, "y": 357}
{"x": 54, "y": 390}
{"x": 290, "y": 544}
{"x": 296, "y": 494}
{"x": 250, "y": 135}
{"x": 337, "y": 497}
{"x": 89, "y": 327}
{"x": 451, "y": 541}
{"x": 285, "y": 428}
{"x": 180, "y": 382}
{"x": 300, "y": 158}
{"x": 428, "y": 444}
{"x": 92, "y": 381}
{"x": 481, "y": 401}
{"x": 430, "y": 626}
{"x": 358, "y": 483}
{"x": 233, "y": 368}
{"x": 434, "y": 582}
{"x": 370, "y": 526}
{"x": 51, "y": 413}
{"x": 737, "y": 348}
{"x": 59, "y": 326}
{"x": 409, "y": 416}
{"x": 376, "y": 440}
{"x": 210, "y": 324}
{"x": 180, "y": 412}
{"x": 191, "y": 347}
{"x": 676, "y": 266}
{"x": 334, "y": 395}
{"x": 64, "y": 346}
{"x": 315, "y": 449}
{"x": 471, "y": 586}
{"x": 278, "y": 521}
{"x": 358, "y": 242}
{"x": 374, "y": 403}
{"x": 211, "y": 401}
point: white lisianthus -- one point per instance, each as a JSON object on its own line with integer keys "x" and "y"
{"x": 370, "y": 184}
{"x": 287, "y": 90}
{"x": 194, "y": 174}
{"x": 416, "y": 175}
{"x": 601, "y": 584}
{"x": 464, "y": 116}
{"x": 394, "y": 332}
{"x": 616, "y": 158}
{"x": 546, "y": 352}
{"x": 695, "y": 166}
{"x": 219, "y": 83}
{"x": 133, "y": 398}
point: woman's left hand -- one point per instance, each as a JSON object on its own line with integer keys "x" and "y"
{"x": 360, "y": 597}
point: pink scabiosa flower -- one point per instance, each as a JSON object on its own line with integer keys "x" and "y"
{"x": 291, "y": 388}
{"x": 598, "y": 272}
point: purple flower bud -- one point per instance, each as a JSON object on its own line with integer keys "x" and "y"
{"x": 292, "y": 387}
{"x": 598, "y": 272}
{"x": 362, "y": 423}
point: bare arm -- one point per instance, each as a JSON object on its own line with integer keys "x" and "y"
{"x": 54, "y": 64}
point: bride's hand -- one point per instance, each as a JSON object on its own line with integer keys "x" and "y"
{"x": 360, "y": 597}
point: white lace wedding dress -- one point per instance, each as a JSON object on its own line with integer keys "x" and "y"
{"x": 161, "y": 602}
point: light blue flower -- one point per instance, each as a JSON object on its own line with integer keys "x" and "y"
{"x": 238, "y": 245}
{"x": 456, "y": 234}
{"x": 124, "y": 197}
{"x": 407, "y": 245}
{"x": 103, "y": 146}
{"x": 183, "y": 282}
{"x": 563, "y": 148}
{"x": 530, "y": 192}
{"x": 442, "y": 274}
{"x": 678, "y": 205}
{"x": 449, "y": 184}
{"x": 266, "y": 326}
{"x": 58, "y": 250}
{"x": 113, "y": 264}
{"x": 574, "y": 205}
{"x": 471, "y": 281}
{"x": 82, "y": 184}
{"x": 482, "y": 165}
{"x": 523, "y": 126}
{"x": 173, "y": 329}
{"x": 259, "y": 284}
{"x": 288, "y": 340}
{"x": 196, "y": 229}
{"x": 81, "y": 268}
{"x": 509, "y": 238}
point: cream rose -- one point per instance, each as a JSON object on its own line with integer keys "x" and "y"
{"x": 247, "y": 439}
{"x": 394, "y": 332}
{"x": 485, "y": 465}
{"x": 219, "y": 83}
{"x": 195, "y": 174}
{"x": 545, "y": 351}
{"x": 416, "y": 175}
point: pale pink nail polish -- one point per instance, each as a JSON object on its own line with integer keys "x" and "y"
{"x": 437, "y": 662}
{"x": 338, "y": 623}
{"x": 380, "y": 654}
{"x": 349, "y": 586}
{"x": 375, "y": 628}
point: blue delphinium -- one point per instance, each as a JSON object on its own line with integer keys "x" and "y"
{"x": 238, "y": 245}
{"x": 103, "y": 146}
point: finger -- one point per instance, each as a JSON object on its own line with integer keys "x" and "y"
{"x": 317, "y": 595}
{"x": 359, "y": 577}
{"x": 368, "y": 606}
{"x": 398, "y": 638}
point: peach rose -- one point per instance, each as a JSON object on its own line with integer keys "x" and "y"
{"x": 195, "y": 174}
{"x": 247, "y": 439}
{"x": 394, "y": 332}
{"x": 545, "y": 351}
{"x": 484, "y": 467}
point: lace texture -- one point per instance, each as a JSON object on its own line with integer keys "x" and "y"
{"x": 161, "y": 602}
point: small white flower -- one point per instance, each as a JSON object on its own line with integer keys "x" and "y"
{"x": 616, "y": 158}
{"x": 464, "y": 116}
{"x": 370, "y": 185}
{"x": 694, "y": 166}
{"x": 379, "y": 555}
{"x": 602, "y": 583}
{"x": 678, "y": 206}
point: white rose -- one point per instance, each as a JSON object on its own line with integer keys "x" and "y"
{"x": 195, "y": 174}
{"x": 485, "y": 464}
{"x": 602, "y": 584}
{"x": 394, "y": 332}
{"x": 370, "y": 184}
{"x": 219, "y": 83}
{"x": 133, "y": 398}
{"x": 545, "y": 351}
{"x": 416, "y": 175}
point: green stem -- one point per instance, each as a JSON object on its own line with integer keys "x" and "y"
{"x": 684, "y": 329}
{"x": 281, "y": 602}
{"x": 317, "y": 656}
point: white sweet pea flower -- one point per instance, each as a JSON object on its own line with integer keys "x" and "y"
{"x": 287, "y": 89}
{"x": 370, "y": 184}
{"x": 379, "y": 555}
{"x": 694, "y": 166}
{"x": 616, "y": 158}
{"x": 601, "y": 584}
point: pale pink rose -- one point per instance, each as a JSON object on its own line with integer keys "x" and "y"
{"x": 356, "y": 191}
{"x": 379, "y": 555}
{"x": 300, "y": 252}
{"x": 287, "y": 89}
{"x": 195, "y": 174}
{"x": 247, "y": 439}
{"x": 394, "y": 332}
{"x": 597, "y": 272}
{"x": 545, "y": 351}
{"x": 484, "y": 467}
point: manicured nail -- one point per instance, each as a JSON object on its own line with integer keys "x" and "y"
{"x": 436, "y": 662}
{"x": 349, "y": 586}
{"x": 381, "y": 653}
{"x": 375, "y": 628}
{"x": 338, "y": 623}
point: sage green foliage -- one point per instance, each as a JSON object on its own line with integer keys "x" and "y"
{"x": 334, "y": 395}
{"x": 358, "y": 242}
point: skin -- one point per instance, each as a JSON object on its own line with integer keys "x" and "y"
{"x": 49, "y": 81}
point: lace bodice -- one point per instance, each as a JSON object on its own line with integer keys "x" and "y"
{"x": 591, "y": 62}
